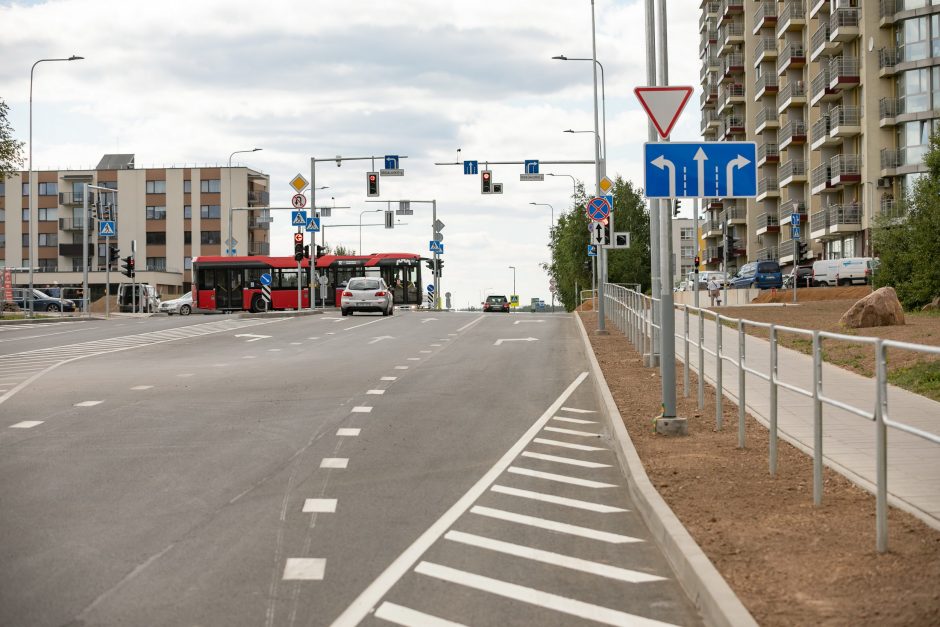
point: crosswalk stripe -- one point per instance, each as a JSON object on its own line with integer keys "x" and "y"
{"x": 577, "y": 447}
{"x": 557, "y": 500}
{"x": 565, "y": 460}
{"x": 587, "y": 483}
{"x": 576, "y": 421}
{"x": 401, "y": 615}
{"x": 578, "y": 411}
{"x": 586, "y": 434}
{"x": 532, "y": 596}
{"x": 553, "y": 525}
{"x": 549, "y": 557}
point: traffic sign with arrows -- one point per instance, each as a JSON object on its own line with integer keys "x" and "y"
{"x": 700, "y": 170}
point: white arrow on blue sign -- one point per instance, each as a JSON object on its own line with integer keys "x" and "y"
{"x": 106, "y": 228}
{"x": 430, "y": 288}
{"x": 265, "y": 279}
{"x": 436, "y": 247}
{"x": 592, "y": 250}
{"x": 795, "y": 219}
{"x": 471, "y": 167}
{"x": 313, "y": 225}
{"x": 531, "y": 166}
{"x": 700, "y": 170}
{"x": 391, "y": 162}
{"x": 298, "y": 218}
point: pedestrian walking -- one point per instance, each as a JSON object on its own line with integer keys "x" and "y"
{"x": 714, "y": 291}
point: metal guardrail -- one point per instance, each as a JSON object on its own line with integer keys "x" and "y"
{"x": 630, "y": 312}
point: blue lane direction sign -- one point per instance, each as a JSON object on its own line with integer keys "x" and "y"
{"x": 106, "y": 228}
{"x": 700, "y": 170}
{"x": 436, "y": 247}
{"x": 794, "y": 232}
{"x": 298, "y": 218}
{"x": 391, "y": 162}
{"x": 592, "y": 250}
{"x": 795, "y": 219}
{"x": 265, "y": 279}
{"x": 313, "y": 225}
{"x": 531, "y": 166}
{"x": 598, "y": 208}
{"x": 471, "y": 167}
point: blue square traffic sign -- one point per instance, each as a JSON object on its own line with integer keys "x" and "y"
{"x": 298, "y": 218}
{"x": 795, "y": 219}
{"x": 106, "y": 228}
{"x": 531, "y": 166}
{"x": 700, "y": 170}
{"x": 795, "y": 232}
{"x": 592, "y": 250}
{"x": 471, "y": 167}
{"x": 391, "y": 162}
{"x": 436, "y": 247}
{"x": 313, "y": 225}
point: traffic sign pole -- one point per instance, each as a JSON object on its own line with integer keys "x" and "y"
{"x": 601, "y": 322}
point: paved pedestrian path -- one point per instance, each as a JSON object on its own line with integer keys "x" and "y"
{"x": 848, "y": 440}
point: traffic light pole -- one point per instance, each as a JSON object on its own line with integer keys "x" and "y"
{"x": 107, "y": 278}
{"x": 698, "y": 251}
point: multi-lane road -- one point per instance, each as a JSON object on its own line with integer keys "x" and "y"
{"x": 316, "y": 470}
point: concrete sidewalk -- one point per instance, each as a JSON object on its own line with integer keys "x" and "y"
{"x": 848, "y": 440}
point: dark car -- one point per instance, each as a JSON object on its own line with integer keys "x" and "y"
{"x": 804, "y": 277}
{"x": 41, "y": 301}
{"x": 496, "y": 303}
{"x": 760, "y": 274}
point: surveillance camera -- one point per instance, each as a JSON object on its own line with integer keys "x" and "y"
{"x": 339, "y": 160}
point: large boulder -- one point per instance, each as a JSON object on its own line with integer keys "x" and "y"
{"x": 933, "y": 305}
{"x": 881, "y": 308}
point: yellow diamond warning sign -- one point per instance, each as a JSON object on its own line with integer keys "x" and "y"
{"x": 299, "y": 183}
{"x": 606, "y": 185}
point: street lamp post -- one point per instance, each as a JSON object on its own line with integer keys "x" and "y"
{"x": 574, "y": 182}
{"x": 513, "y": 268}
{"x": 231, "y": 249}
{"x": 360, "y": 224}
{"x": 33, "y": 221}
{"x": 562, "y": 57}
{"x": 545, "y": 204}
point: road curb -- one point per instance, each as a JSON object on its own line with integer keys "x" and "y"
{"x": 711, "y": 594}
{"x": 282, "y": 314}
{"x": 39, "y": 321}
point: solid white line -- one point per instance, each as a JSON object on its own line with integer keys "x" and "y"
{"x": 578, "y": 411}
{"x": 549, "y": 557}
{"x": 552, "y": 525}
{"x": 408, "y": 617}
{"x": 369, "y": 597}
{"x": 573, "y": 432}
{"x": 549, "y": 476}
{"x": 565, "y": 460}
{"x": 555, "y": 602}
{"x": 88, "y": 403}
{"x": 348, "y": 432}
{"x": 469, "y": 324}
{"x": 334, "y": 462}
{"x": 27, "y": 424}
{"x": 141, "y": 387}
{"x": 557, "y": 500}
{"x": 304, "y": 568}
{"x": 364, "y": 324}
{"x": 389, "y": 378}
{"x": 377, "y": 392}
{"x": 361, "y": 410}
{"x": 576, "y": 421}
{"x": 319, "y": 506}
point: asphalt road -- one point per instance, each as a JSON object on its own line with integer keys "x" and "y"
{"x": 313, "y": 471}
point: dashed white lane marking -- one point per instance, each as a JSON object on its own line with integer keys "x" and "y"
{"x": 348, "y": 432}
{"x": 314, "y": 338}
{"x": 27, "y": 424}
{"x": 549, "y": 557}
{"x": 88, "y": 403}
{"x": 414, "y": 359}
{"x": 401, "y": 615}
{"x": 436, "y": 345}
{"x": 364, "y": 324}
{"x": 141, "y": 387}
{"x": 532, "y": 596}
{"x": 557, "y": 500}
{"x": 220, "y": 365}
{"x": 249, "y": 357}
{"x": 296, "y": 343}
{"x": 334, "y": 462}
{"x": 319, "y": 506}
{"x": 452, "y": 334}
{"x": 304, "y": 568}
{"x": 577, "y": 447}
{"x": 553, "y": 525}
{"x": 361, "y": 409}
{"x": 565, "y": 460}
{"x": 401, "y": 367}
{"x": 576, "y": 421}
{"x": 550, "y": 476}
{"x": 425, "y": 352}
{"x": 376, "y": 392}
{"x": 330, "y": 333}
{"x": 389, "y": 378}
{"x": 586, "y": 434}
{"x": 186, "y": 374}
{"x": 274, "y": 350}
{"x": 578, "y": 411}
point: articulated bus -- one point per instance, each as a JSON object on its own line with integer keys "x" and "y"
{"x": 234, "y": 283}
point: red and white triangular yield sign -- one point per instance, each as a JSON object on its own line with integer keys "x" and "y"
{"x": 663, "y": 105}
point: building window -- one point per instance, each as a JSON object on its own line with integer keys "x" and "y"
{"x": 685, "y": 234}
{"x": 47, "y": 214}
{"x": 48, "y": 265}
{"x": 210, "y": 186}
{"x": 914, "y": 140}
{"x": 156, "y": 187}
{"x": 25, "y": 193}
{"x": 187, "y": 186}
{"x": 48, "y": 189}
{"x": 187, "y": 263}
{"x": 688, "y": 251}
{"x": 3, "y": 188}
{"x": 156, "y": 264}
{"x": 156, "y": 238}
{"x": 912, "y": 39}
{"x": 210, "y": 211}
{"x": 187, "y": 237}
{"x": 47, "y": 239}
{"x": 3, "y": 215}
{"x": 26, "y": 214}
{"x": 914, "y": 91}
{"x": 187, "y": 212}
{"x": 156, "y": 213}
{"x": 3, "y": 240}
{"x": 210, "y": 237}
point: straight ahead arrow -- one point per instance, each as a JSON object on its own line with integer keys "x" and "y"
{"x": 380, "y": 338}
{"x": 700, "y": 158}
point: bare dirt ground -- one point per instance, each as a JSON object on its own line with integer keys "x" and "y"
{"x": 790, "y": 563}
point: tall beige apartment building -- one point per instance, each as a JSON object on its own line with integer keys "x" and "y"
{"x": 173, "y": 214}
{"x": 841, "y": 97}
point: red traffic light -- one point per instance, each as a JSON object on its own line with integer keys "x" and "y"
{"x": 486, "y": 176}
{"x": 372, "y": 178}
{"x": 298, "y": 238}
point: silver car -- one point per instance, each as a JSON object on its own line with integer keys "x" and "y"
{"x": 367, "y": 294}
{"x": 182, "y": 305}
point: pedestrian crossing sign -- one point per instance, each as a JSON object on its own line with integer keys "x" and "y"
{"x": 106, "y": 228}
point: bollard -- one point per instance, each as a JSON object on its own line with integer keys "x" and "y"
{"x": 741, "y": 374}
{"x": 701, "y": 359}
{"x": 817, "y": 421}
{"x": 685, "y": 386}
{"x": 719, "y": 389}
{"x": 773, "y": 401}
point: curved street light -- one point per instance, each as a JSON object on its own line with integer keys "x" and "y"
{"x": 513, "y": 268}
{"x": 562, "y": 57}
{"x": 360, "y": 224}
{"x": 231, "y": 203}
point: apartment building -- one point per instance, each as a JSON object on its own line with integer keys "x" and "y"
{"x": 683, "y": 249}
{"x": 173, "y": 215}
{"x": 840, "y": 96}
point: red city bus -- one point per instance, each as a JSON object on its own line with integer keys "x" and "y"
{"x": 234, "y": 283}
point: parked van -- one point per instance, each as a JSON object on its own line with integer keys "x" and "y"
{"x": 146, "y": 298}
{"x": 760, "y": 274}
{"x": 847, "y": 271}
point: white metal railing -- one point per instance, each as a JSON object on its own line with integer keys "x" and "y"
{"x": 630, "y": 311}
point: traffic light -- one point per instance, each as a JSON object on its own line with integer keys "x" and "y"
{"x": 127, "y": 267}
{"x": 113, "y": 254}
{"x": 698, "y": 262}
{"x": 307, "y": 252}
{"x": 372, "y": 184}
{"x": 321, "y": 250}
{"x": 486, "y": 182}
{"x": 389, "y": 219}
{"x": 802, "y": 251}
{"x": 676, "y": 206}
{"x": 440, "y": 267}
{"x": 298, "y": 251}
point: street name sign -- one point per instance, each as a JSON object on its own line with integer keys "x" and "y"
{"x": 392, "y": 172}
{"x": 663, "y": 105}
{"x": 700, "y": 170}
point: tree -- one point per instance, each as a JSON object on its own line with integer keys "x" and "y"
{"x": 11, "y": 151}
{"x": 908, "y": 248}
{"x": 341, "y": 251}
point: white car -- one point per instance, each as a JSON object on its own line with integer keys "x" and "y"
{"x": 182, "y": 305}
{"x": 367, "y": 294}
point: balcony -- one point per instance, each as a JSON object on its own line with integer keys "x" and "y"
{"x": 816, "y": 6}
{"x": 891, "y": 209}
{"x": 730, "y": 8}
{"x": 793, "y": 94}
{"x": 709, "y": 14}
{"x": 259, "y": 222}
{"x": 888, "y": 59}
{"x": 819, "y": 135}
{"x": 709, "y": 120}
{"x": 765, "y": 49}
{"x": 767, "y": 153}
{"x": 845, "y": 218}
{"x": 729, "y": 36}
{"x": 791, "y": 56}
{"x": 843, "y": 24}
{"x": 734, "y": 215}
{"x": 820, "y": 43}
{"x": 733, "y": 66}
{"x": 709, "y": 96}
{"x": 819, "y": 224}
{"x": 730, "y": 95}
{"x": 765, "y": 85}
{"x": 820, "y": 89}
{"x": 793, "y": 132}
{"x": 711, "y": 228}
{"x": 767, "y": 254}
{"x": 738, "y": 248}
{"x": 733, "y": 125}
{"x": 793, "y": 171}
{"x": 843, "y": 73}
{"x": 766, "y": 119}
{"x": 767, "y": 223}
{"x": 259, "y": 199}
{"x": 712, "y": 255}
{"x": 846, "y": 170}
{"x": 75, "y": 250}
{"x": 74, "y": 224}
{"x": 792, "y": 17}
{"x": 891, "y": 160}
{"x": 766, "y": 16}
{"x": 767, "y": 188}
{"x": 785, "y": 251}
{"x": 259, "y": 248}
{"x": 821, "y": 179}
{"x": 846, "y": 121}
{"x": 70, "y": 198}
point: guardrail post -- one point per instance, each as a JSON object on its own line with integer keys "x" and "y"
{"x": 773, "y": 401}
{"x": 701, "y": 359}
{"x": 881, "y": 448}
{"x": 719, "y": 389}
{"x": 685, "y": 382}
{"x": 741, "y": 380}
{"x": 817, "y": 421}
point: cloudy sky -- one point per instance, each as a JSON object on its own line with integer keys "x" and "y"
{"x": 189, "y": 82}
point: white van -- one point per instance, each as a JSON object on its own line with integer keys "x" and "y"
{"x": 144, "y": 300}
{"x": 847, "y": 271}
{"x": 705, "y": 276}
